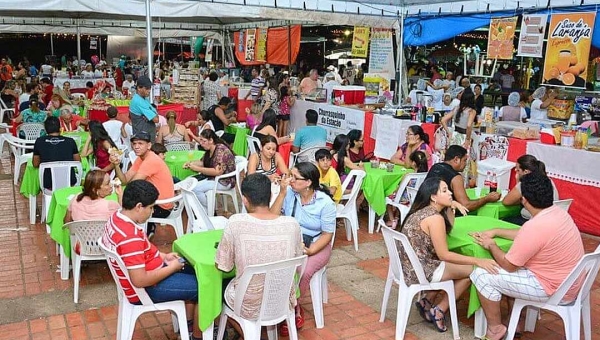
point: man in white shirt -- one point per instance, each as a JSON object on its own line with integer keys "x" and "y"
{"x": 29, "y": 90}
{"x": 128, "y": 83}
{"x": 330, "y": 83}
{"x": 335, "y": 72}
{"x": 114, "y": 126}
{"x": 47, "y": 70}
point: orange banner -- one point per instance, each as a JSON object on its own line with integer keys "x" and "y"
{"x": 568, "y": 49}
{"x": 501, "y": 36}
{"x": 277, "y": 46}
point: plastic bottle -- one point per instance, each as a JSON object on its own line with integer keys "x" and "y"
{"x": 488, "y": 180}
{"x": 496, "y": 113}
{"x": 578, "y": 143}
{"x": 494, "y": 183}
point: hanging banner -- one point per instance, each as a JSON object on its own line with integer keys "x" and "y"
{"x": 531, "y": 39}
{"x": 196, "y": 42}
{"x": 500, "y": 39}
{"x": 381, "y": 55}
{"x": 93, "y": 43}
{"x": 568, "y": 49}
{"x": 339, "y": 120}
{"x": 261, "y": 44}
{"x": 360, "y": 41}
{"x": 250, "y": 52}
{"x": 209, "y": 50}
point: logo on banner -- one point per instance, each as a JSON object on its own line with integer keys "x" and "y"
{"x": 261, "y": 44}
{"x": 568, "y": 49}
{"x": 501, "y": 36}
{"x": 531, "y": 39}
{"x": 250, "y": 53}
{"x": 360, "y": 41}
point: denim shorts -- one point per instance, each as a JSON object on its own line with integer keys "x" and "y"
{"x": 178, "y": 286}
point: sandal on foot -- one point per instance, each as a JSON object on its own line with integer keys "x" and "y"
{"x": 503, "y": 334}
{"x": 432, "y": 314}
{"x": 423, "y": 308}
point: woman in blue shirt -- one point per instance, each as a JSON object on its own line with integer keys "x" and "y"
{"x": 310, "y": 204}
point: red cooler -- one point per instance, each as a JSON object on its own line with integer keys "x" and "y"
{"x": 344, "y": 93}
{"x": 359, "y": 94}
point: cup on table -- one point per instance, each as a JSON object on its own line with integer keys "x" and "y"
{"x": 478, "y": 192}
{"x": 390, "y": 167}
{"x": 190, "y": 155}
{"x": 374, "y": 163}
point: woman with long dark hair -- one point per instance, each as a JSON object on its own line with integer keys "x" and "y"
{"x": 341, "y": 145}
{"x": 98, "y": 144}
{"x": 267, "y": 127}
{"x": 426, "y": 226}
{"x": 217, "y": 160}
{"x": 267, "y": 161}
{"x": 464, "y": 118}
{"x": 416, "y": 140}
{"x": 311, "y": 205}
{"x": 286, "y": 101}
{"x": 356, "y": 152}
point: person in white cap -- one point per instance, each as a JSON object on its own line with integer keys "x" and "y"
{"x": 334, "y": 70}
{"x": 330, "y": 83}
{"x": 541, "y": 100}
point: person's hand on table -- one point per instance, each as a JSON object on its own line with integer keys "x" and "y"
{"x": 484, "y": 240}
{"x": 463, "y": 210}
{"x": 489, "y": 265}
{"x": 493, "y": 197}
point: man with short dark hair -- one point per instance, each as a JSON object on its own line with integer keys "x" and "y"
{"x": 220, "y": 119}
{"x": 113, "y": 126}
{"x": 54, "y": 148}
{"x": 27, "y": 104}
{"x": 450, "y": 170}
{"x": 545, "y": 250}
{"x": 310, "y": 135}
{"x": 165, "y": 277}
{"x": 143, "y": 115}
{"x": 256, "y": 86}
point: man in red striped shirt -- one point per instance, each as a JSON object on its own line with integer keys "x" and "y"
{"x": 164, "y": 276}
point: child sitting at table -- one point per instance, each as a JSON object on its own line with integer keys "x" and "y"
{"x": 329, "y": 177}
{"x": 161, "y": 151}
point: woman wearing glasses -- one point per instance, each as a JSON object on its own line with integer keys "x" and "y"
{"x": 416, "y": 140}
{"x": 356, "y": 151}
{"x": 311, "y": 205}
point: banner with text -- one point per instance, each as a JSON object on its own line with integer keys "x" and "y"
{"x": 339, "y": 120}
{"x": 531, "y": 39}
{"x": 381, "y": 55}
{"x": 250, "y": 52}
{"x": 568, "y": 49}
{"x": 261, "y": 44}
{"x": 360, "y": 41}
{"x": 501, "y": 36}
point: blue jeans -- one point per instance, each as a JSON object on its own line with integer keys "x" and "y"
{"x": 178, "y": 286}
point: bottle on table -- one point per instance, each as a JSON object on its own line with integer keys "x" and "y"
{"x": 494, "y": 183}
{"x": 488, "y": 179}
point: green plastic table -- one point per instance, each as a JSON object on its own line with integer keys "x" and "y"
{"x": 83, "y": 137}
{"x": 118, "y": 102}
{"x": 461, "y": 242}
{"x": 496, "y": 210}
{"x": 30, "y": 184}
{"x": 176, "y": 159}
{"x": 56, "y": 215}
{"x": 200, "y": 249}
{"x": 240, "y": 145}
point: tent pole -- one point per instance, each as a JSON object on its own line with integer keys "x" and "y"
{"x": 223, "y": 62}
{"x": 51, "y": 44}
{"x": 401, "y": 61}
{"x": 289, "y": 40}
{"x": 149, "y": 45}
{"x": 78, "y": 44}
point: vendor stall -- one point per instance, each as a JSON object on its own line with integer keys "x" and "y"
{"x": 80, "y": 83}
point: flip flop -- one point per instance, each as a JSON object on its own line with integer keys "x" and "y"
{"x": 435, "y": 320}
{"x": 423, "y": 310}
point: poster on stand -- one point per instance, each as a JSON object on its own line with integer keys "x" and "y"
{"x": 261, "y": 44}
{"x": 501, "y": 36}
{"x": 531, "y": 39}
{"x": 568, "y": 49}
{"x": 360, "y": 41}
{"x": 209, "y": 50}
{"x": 339, "y": 120}
{"x": 250, "y": 51}
{"x": 381, "y": 55}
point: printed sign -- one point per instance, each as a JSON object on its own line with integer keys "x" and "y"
{"x": 568, "y": 49}
{"x": 250, "y": 53}
{"x": 93, "y": 43}
{"x": 339, "y": 120}
{"x": 261, "y": 44}
{"x": 531, "y": 39}
{"x": 360, "y": 42}
{"x": 501, "y": 36}
{"x": 381, "y": 56}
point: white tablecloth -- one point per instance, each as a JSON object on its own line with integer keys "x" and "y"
{"x": 80, "y": 83}
{"x": 568, "y": 164}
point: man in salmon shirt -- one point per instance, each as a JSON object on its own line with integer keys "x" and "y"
{"x": 544, "y": 252}
{"x": 148, "y": 166}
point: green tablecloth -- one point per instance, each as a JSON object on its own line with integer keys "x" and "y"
{"x": 496, "y": 210}
{"x": 378, "y": 184}
{"x": 118, "y": 102}
{"x": 239, "y": 144}
{"x": 199, "y": 250}
{"x": 56, "y": 215}
{"x": 461, "y": 242}
{"x": 176, "y": 159}
{"x": 83, "y": 137}
{"x": 30, "y": 185}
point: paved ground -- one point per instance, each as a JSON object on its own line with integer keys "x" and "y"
{"x": 36, "y": 304}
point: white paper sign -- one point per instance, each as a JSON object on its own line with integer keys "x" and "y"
{"x": 339, "y": 120}
{"x": 531, "y": 39}
{"x": 389, "y": 133}
{"x": 381, "y": 56}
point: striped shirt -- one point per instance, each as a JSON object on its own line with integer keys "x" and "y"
{"x": 129, "y": 241}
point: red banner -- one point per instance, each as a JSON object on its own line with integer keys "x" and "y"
{"x": 277, "y": 46}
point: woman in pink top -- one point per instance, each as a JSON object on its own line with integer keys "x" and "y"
{"x": 91, "y": 203}
{"x": 416, "y": 139}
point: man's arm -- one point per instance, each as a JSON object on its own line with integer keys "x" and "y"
{"x": 36, "y": 161}
{"x": 460, "y": 195}
{"x": 221, "y": 115}
{"x": 500, "y": 257}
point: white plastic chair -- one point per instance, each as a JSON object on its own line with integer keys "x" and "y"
{"x": 348, "y": 211}
{"x": 565, "y": 204}
{"x": 31, "y": 130}
{"x": 275, "y": 305}
{"x": 128, "y": 161}
{"x": 571, "y": 313}
{"x": 253, "y": 145}
{"x": 220, "y": 133}
{"x": 319, "y": 293}
{"x": 18, "y": 147}
{"x": 128, "y": 313}
{"x": 406, "y": 293}
{"x": 179, "y": 146}
{"x": 412, "y": 190}
{"x": 306, "y": 155}
{"x": 174, "y": 219}
{"x": 61, "y": 178}
{"x": 84, "y": 247}
{"x": 198, "y": 219}
{"x": 240, "y": 166}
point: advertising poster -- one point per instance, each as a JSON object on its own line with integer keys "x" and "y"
{"x": 360, "y": 41}
{"x": 339, "y": 120}
{"x": 261, "y": 44}
{"x": 568, "y": 49}
{"x": 250, "y": 53}
{"x": 501, "y": 36}
{"x": 381, "y": 56}
{"x": 93, "y": 43}
{"x": 531, "y": 39}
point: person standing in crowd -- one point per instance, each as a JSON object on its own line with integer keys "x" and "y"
{"x": 5, "y": 72}
{"x": 286, "y": 101}
{"x": 256, "y": 86}
{"x": 220, "y": 119}
{"x": 113, "y": 127}
{"x": 211, "y": 90}
{"x": 310, "y": 83}
{"x": 143, "y": 115}
{"x": 513, "y": 112}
